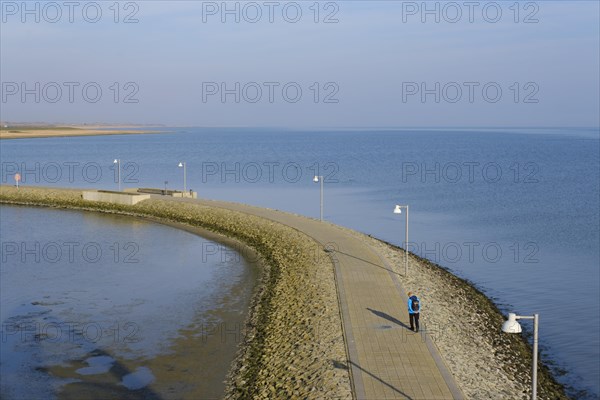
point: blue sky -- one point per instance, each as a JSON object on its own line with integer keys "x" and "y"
{"x": 373, "y": 63}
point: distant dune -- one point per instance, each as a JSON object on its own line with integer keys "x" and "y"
{"x": 42, "y": 131}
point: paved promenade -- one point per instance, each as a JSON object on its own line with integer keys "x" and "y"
{"x": 387, "y": 360}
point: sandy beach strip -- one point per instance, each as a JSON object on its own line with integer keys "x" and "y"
{"x": 25, "y": 132}
{"x": 294, "y": 326}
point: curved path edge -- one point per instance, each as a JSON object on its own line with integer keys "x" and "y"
{"x": 387, "y": 362}
{"x": 445, "y": 371}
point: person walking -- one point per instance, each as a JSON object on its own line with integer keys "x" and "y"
{"x": 414, "y": 308}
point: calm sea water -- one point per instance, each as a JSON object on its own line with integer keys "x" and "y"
{"x": 515, "y": 211}
{"x": 104, "y": 289}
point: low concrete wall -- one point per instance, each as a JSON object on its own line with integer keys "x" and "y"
{"x": 114, "y": 197}
{"x": 191, "y": 195}
{"x": 172, "y": 193}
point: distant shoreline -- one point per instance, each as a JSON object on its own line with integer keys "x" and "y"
{"x": 27, "y": 132}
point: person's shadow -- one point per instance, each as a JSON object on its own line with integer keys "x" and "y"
{"x": 388, "y": 317}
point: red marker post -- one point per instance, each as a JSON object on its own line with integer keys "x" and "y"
{"x": 17, "y": 179}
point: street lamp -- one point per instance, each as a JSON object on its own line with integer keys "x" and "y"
{"x": 512, "y": 326}
{"x": 318, "y": 179}
{"x": 182, "y": 164}
{"x": 398, "y": 210}
{"x": 118, "y": 162}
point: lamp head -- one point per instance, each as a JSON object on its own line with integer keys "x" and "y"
{"x": 116, "y": 161}
{"x": 316, "y": 179}
{"x": 397, "y": 210}
{"x": 180, "y": 164}
{"x": 511, "y": 325}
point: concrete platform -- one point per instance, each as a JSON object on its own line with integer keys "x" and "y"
{"x": 106, "y": 196}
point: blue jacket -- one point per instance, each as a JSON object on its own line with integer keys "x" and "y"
{"x": 410, "y": 300}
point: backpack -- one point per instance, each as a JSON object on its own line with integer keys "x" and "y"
{"x": 414, "y": 305}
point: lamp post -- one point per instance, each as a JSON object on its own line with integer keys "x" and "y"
{"x": 512, "y": 326}
{"x": 398, "y": 210}
{"x": 182, "y": 164}
{"x": 317, "y": 179}
{"x": 118, "y": 163}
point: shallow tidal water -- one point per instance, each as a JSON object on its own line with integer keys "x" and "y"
{"x": 117, "y": 307}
